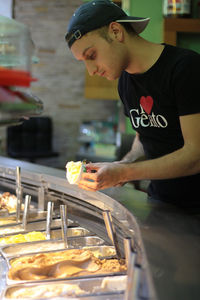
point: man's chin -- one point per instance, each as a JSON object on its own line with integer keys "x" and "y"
{"x": 112, "y": 78}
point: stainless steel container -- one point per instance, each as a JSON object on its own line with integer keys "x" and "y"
{"x": 99, "y": 287}
{"x": 37, "y": 225}
{"x": 34, "y": 247}
{"x": 101, "y": 252}
{"x": 86, "y": 209}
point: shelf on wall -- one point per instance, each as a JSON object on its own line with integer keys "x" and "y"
{"x": 172, "y": 26}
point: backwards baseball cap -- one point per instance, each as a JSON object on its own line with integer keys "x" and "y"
{"x": 98, "y": 13}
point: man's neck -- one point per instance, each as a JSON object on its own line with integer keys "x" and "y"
{"x": 142, "y": 54}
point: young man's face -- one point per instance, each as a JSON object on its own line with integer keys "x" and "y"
{"x": 103, "y": 58}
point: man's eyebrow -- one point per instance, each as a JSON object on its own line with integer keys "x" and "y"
{"x": 85, "y": 50}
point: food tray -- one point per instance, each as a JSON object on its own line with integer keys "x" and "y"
{"x": 32, "y": 247}
{"x": 103, "y": 250}
{"x": 33, "y": 216}
{"x": 98, "y": 287}
{"x": 39, "y": 225}
{"x": 4, "y": 212}
{"x": 57, "y": 234}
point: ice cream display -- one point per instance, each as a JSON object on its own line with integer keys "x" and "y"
{"x": 74, "y": 171}
{"x": 62, "y": 264}
{"x": 46, "y": 291}
{"x": 22, "y": 238}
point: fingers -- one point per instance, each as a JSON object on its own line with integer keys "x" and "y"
{"x": 89, "y": 185}
{"x": 89, "y": 176}
{"x": 89, "y": 180}
{"x": 100, "y": 176}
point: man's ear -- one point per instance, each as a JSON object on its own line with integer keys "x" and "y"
{"x": 116, "y": 31}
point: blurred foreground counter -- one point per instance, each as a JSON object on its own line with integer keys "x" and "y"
{"x": 172, "y": 242}
{"x": 170, "y": 236}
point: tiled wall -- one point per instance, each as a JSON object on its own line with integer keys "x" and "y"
{"x": 60, "y": 77}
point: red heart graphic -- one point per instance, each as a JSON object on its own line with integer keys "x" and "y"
{"x": 146, "y": 103}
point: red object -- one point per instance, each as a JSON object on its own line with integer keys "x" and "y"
{"x": 15, "y": 77}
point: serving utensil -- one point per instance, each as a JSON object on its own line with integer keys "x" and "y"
{"x": 26, "y": 211}
{"x": 64, "y": 223}
{"x": 112, "y": 233}
{"x": 19, "y": 193}
{"x": 50, "y": 206}
{"x": 130, "y": 293}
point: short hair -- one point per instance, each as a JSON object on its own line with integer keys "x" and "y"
{"x": 103, "y": 31}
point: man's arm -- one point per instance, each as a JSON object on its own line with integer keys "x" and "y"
{"x": 182, "y": 162}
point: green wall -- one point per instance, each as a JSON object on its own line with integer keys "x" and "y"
{"x": 154, "y": 30}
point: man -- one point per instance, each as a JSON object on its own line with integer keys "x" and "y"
{"x": 159, "y": 87}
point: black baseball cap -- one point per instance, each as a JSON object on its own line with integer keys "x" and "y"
{"x": 98, "y": 13}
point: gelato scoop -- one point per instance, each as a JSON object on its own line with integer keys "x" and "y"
{"x": 74, "y": 171}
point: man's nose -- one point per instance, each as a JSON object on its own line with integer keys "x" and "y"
{"x": 91, "y": 67}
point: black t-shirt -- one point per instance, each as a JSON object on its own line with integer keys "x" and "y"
{"x": 153, "y": 101}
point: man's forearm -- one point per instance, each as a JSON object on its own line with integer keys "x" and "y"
{"x": 177, "y": 164}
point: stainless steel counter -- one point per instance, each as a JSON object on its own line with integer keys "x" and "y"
{"x": 171, "y": 238}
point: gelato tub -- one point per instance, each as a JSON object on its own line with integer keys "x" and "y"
{"x": 55, "y": 234}
{"x": 73, "y": 242}
{"x": 33, "y": 216}
{"x": 84, "y": 287}
{"x": 39, "y": 225}
{"x": 61, "y": 264}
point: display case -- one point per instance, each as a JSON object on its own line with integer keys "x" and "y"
{"x": 85, "y": 211}
{"x": 166, "y": 238}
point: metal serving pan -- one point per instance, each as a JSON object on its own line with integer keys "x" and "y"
{"x": 32, "y": 217}
{"x": 39, "y": 225}
{"x": 102, "y": 250}
{"x": 4, "y": 212}
{"x": 34, "y": 247}
{"x": 57, "y": 234}
{"x": 98, "y": 287}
